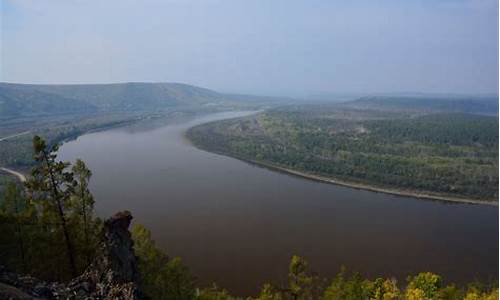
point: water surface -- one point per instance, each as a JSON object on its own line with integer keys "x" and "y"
{"x": 238, "y": 224}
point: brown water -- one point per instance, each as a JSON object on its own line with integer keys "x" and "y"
{"x": 238, "y": 224}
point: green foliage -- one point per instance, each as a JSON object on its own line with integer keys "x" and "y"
{"x": 440, "y": 154}
{"x": 351, "y": 286}
{"x": 268, "y": 292}
{"x": 52, "y": 219}
{"x": 424, "y": 285}
{"x": 162, "y": 278}
{"x": 56, "y": 216}
{"x": 299, "y": 281}
{"x": 383, "y": 289}
{"x": 81, "y": 214}
{"x": 347, "y": 288}
{"x": 450, "y": 292}
{"x": 4, "y": 181}
{"x": 480, "y": 105}
{"x": 51, "y": 186}
{"x": 302, "y": 285}
{"x": 482, "y": 295}
{"x": 15, "y": 236}
{"x": 215, "y": 293}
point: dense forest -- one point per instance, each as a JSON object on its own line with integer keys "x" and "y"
{"x": 49, "y": 229}
{"x": 439, "y": 153}
{"x": 485, "y": 105}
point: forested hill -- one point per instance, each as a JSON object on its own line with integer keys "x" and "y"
{"x": 441, "y": 155}
{"x": 484, "y": 105}
{"x": 24, "y": 102}
{"x": 32, "y": 99}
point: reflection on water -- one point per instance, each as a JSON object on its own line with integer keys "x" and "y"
{"x": 238, "y": 224}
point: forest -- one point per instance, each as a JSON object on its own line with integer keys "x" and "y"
{"x": 485, "y": 104}
{"x": 49, "y": 229}
{"x": 437, "y": 153}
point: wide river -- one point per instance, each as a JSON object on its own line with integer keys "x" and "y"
{"x": 238, "y": 224}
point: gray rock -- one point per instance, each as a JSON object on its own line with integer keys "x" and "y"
{"x": 112, "y": 275}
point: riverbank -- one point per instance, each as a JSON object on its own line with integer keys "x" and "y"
{"x": 404, "y": 193}
{"x": 14, "y": 135}
{"x": 19, "y": 175}
{"x": 147, "y": 120}
{"x": 355, "y": 185}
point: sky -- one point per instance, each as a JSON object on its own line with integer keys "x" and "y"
{"x": 273, "y": 47}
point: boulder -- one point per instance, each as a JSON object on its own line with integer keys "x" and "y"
{"x": 112, "y": 275}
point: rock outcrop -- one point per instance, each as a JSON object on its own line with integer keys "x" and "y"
{"x": 112, "y": 275}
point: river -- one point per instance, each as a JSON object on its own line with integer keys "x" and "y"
{"x": 238, "y": 224}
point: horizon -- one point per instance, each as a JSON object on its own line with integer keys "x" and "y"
{"x": 275, "y": 48}
{"x": 318, "y": 94}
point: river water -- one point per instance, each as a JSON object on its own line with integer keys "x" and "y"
{"x": 238, "y": 224}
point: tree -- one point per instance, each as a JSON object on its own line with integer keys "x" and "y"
{"x": 476, "y": 294}
{"x": 423, "y": 286}
{"x": 16, "y": 211}
{"x": 343, "y": 288}
{"x": 384, "y": 289}
{"x": 83, "y": 207}
{"x": 268, "y": 292}
{"x": 450, "y": 292}
{"x": 162, "y": 278}
{"x": 215, "y": 293}
{"x": 53, "y": 216}
{"x": 299, "y": 282}
{"x": 51, "y": 185}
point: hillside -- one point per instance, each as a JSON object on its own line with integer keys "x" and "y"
{"x": 485, "y": 105}
{"x": 32, "y": 99}
{"x": 16, "y": 102}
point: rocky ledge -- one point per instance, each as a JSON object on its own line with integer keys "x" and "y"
{"x": 112, "y": 275}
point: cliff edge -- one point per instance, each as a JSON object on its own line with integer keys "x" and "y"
{"x": 112, "y": 275}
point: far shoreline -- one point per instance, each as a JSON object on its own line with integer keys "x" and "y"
{"x": 21, "y": 173}
{"x": 354, "y": 185}
{"x": 371, "y": 188}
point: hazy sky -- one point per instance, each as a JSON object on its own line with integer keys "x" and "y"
{"x": 284, "y": 47}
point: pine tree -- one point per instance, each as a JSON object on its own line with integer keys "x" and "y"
{"x": 51, "y": 185}
{"x": 16, "y": 211}
{"x": 83, "y": 207}
{"x": 163, "y": 278}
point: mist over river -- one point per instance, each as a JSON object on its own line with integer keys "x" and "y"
{"x": 238, "y": 224}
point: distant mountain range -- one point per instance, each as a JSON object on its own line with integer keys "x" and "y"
{"x": 18, "y": 100}
{"x": 484, "y": 105}
{"x": 35, "y": 99}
